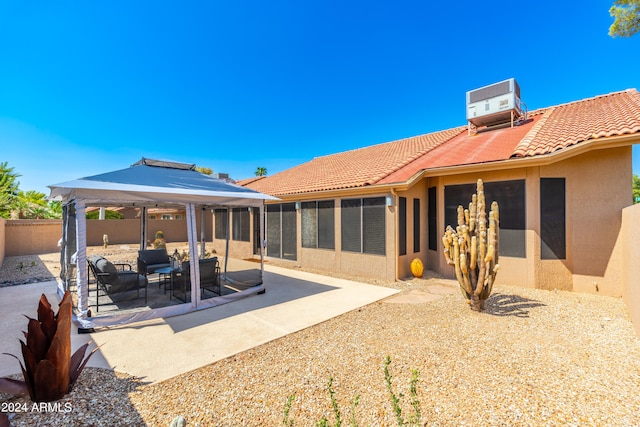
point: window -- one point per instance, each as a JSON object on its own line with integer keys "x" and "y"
{"x": 510, "y": 196}
{"x": 553, "y": 218}
{"x": 178, "y": 216}
{"x": 416, "y": 225}
{"x": 318, "y": 224}
{"x": 363, "y": 225}
{"x": 221, "y": 223}
{"x": 241, "y": 229}
{"x": 402, "y": 220}
{"x": 433, "y": 219}
{"x": 281, "y": 231}
{"x": 166, "y": 216}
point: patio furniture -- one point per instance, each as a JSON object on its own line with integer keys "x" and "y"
{"x": 165, "y": 277}
{"x": 209, "y": 278}
{"x": 150, "y": 260}
{"x": 114, "y": 279}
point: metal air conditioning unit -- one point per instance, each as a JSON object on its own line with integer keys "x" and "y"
{"x": 494, "y": 104}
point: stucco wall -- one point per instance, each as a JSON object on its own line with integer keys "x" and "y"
{"x": 419, "y": 191}
{"x": 598, "y": 186}
{"x": 2, "y": 239}
{"x": 29, "y": 236}
{"x": 629, "y": 238}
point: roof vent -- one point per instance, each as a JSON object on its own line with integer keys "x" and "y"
{"x": 495, "y": 104}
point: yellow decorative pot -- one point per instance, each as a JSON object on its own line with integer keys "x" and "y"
{"x": 417, "y": 268}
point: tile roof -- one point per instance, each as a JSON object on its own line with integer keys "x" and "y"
{"x": 569, "y": 124}
{"x": 545, "y": 131}
{"x": 355, "y": 168}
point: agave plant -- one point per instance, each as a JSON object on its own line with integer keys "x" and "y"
{"x": 49, "y": 370}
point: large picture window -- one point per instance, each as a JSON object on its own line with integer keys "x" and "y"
{"x": 553, "y": 218}
{"x": 318, "y": 224}
{"x": 241, "y": 229}
{"x": 363, "y": 225}
{"x": 510, "y": 196}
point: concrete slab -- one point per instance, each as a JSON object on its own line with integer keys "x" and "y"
{"x": 159, "y": 349}
{"x": 16, "y": 302}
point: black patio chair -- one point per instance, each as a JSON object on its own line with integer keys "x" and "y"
{"x": 114, "y": 279}
{"x": 151, "y": 260}
{"x": 209, "y": 278}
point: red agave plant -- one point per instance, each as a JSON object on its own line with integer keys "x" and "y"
{"x": 49, "y": 370}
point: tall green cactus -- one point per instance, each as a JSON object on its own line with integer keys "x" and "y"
{"x": 473, "y": 250}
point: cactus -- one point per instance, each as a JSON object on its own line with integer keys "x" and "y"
{"x": 472, "y": 249}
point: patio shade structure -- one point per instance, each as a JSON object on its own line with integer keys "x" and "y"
{"x": 146, "y": 183}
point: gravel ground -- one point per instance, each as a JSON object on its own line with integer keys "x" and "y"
{"x": 533, "y": 358}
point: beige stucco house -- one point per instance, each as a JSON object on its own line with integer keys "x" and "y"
{"x": 562, "y": 176}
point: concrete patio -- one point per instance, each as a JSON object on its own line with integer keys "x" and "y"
{"x": 159, "y": 349}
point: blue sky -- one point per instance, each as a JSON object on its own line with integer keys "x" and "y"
{"x": 91, "y": 87}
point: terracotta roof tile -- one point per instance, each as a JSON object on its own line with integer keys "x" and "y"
{"x": 569, "y": 124}
{"x": 545, "y": 131}
{"x": 355, "y": 168}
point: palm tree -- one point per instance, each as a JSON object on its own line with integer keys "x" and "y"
{"x": 260, "y": 171}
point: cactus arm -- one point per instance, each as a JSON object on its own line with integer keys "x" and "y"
{"x": 456, "y": 259}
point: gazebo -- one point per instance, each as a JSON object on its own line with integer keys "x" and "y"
{"x": 147, "y": 183}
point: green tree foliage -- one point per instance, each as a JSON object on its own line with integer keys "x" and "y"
{"x": 8, "y": 189}
{"x": 636, "y": 188}
{"x": 260, "y": 171}
{"x": 108, "y": 214}
{"x": 626, "y": 18}
{"x": 17, "y": 204}
{"x": 206, "y": 171}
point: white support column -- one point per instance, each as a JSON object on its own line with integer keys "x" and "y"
{"x": 194, "y": 265}
{"x": 82, "y": 282}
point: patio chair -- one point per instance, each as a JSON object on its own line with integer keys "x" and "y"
{"x": 209, "y": 278}
{"x": 113, "y": 279}
{"x": 150, "y": 260}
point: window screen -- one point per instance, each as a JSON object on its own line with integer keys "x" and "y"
{"x": 416, "y": 225}
{"x": 373, "y": 226}
{"x": 221, "y": 223}
{"x": 289, "y": 231}
{"x": 433, "y": 220}
{"x": 273, "y": 231}
{"x": 326, "y": 224}
{"x": 351, "y": 215}
{"x": 309, "y": 225}
{"x": 553, "y": 218}
{"x": 240, "y": 223}
{"x": 510, "y": 196}
{"x": 402, "y": 225}
{"x": 318, "y": 224}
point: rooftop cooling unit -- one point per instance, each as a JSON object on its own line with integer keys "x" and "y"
{"x": 494, "y": 104}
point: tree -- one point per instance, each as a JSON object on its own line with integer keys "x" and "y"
{"x": 8, "y": 189}
{"x": 204, "y": 170}
{"x": 260, "y": 171}
{"x": 31, "y": 205}
{"x": 626, "y": 18}
{"x": 636, "y": 188}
